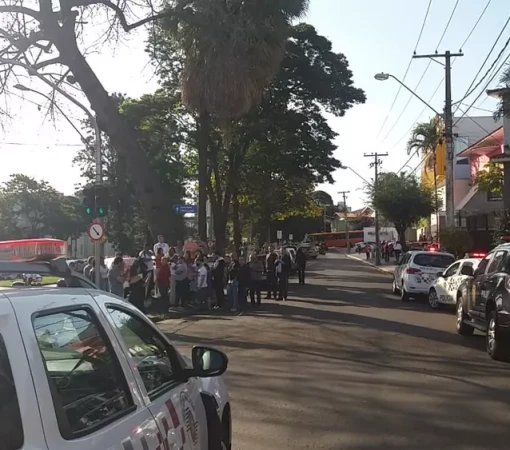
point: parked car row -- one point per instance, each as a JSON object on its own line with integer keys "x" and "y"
{"x": 477, "y": 287}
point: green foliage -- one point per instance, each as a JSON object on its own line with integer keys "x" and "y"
{"x": 456, "y": 241}
{"x": 490, "y": 179}
{"x": 424, "y": 139}
{"x": 402, "y": 200}
{"x": 31, "y": 209}
{"x": 160, "y": 134}
{"x": 502, "y": 230}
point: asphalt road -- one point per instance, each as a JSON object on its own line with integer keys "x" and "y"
{"x": 345, "y": 365}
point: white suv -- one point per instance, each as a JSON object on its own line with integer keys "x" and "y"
{"x": 417, "y": 271}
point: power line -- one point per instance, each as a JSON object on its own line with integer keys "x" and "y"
{"x": 476, "y": 24}
{"x": 407, "y": 70}
{"x": 27, "y": 144}
{"x": 472, "y": 88}
{"x": 424, "y": 72}
{"x": 487, "y": 84}
{"x": 447, "y": 24}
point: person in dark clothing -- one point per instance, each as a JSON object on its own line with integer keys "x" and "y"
{"x": 136, "y": 287}
{"x": 233, "y": 284}
{"x": 256, "y": 278}
{"x": 218, "y": 279}
{"x": 282, "y": 271}
{"x": 301, "y": 265}
{"x": 243, "y": 280}
{"x": 272, "y": 282}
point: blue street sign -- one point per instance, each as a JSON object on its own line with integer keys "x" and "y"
{"x": 185, "y": 209}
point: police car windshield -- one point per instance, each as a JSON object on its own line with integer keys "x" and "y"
{"x": 433, "y": 260}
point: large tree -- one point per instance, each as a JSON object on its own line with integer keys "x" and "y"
{"x": 30, "y": 208}
{"x": 402, "y": 200}
{"x": 288, "y": 132}
{"x": 156, "y": 118}
{"x": 244, "y": 39}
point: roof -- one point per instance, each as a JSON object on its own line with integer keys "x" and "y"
{"x": 489, "y": 143}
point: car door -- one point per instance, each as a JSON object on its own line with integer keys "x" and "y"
{"x": 84, "y": 386}
{"x": 399, "y": 270}
{"x": 447, "y": 282}
{"x": 475, "y": 297}
{"x": 486, "y": 283}
{"x": 175, "y": 404}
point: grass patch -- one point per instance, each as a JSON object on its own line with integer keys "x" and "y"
{"x": 45, "y": 281}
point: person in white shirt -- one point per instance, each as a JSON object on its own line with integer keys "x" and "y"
{"x": 161, "y": 244}
{"x": 398, "y": 250}
{"x": 202, "y": 285}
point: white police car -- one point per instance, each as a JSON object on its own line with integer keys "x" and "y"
{"x": 417, "y": 271}
{"x": 444, "y": 289}
{"x": 81, "y": 369}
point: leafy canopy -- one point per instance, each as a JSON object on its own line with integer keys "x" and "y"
{"x": 425, "y": 138}
{"x": 402, "y": 199}
{"x": 490, "y": 179}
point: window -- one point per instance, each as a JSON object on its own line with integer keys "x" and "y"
{"x": 11, "y": 428}
{"x": 483, "y": 265}
{"x": 496, "y": 262}
{"x": 148, "y": 350}
{"x": 88, "y": 387}
{"x": 433, "y": 260}
{"x": 466, "y": 268}
{"x": 452, "y": 270}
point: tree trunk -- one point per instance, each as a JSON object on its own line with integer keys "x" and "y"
{"x": 220, "y": 227}
{"x": 147, "y": 185}
{"x": 402, "y": 237}
{"x": 204, "y": 126}
{"x": 236, "y": 220}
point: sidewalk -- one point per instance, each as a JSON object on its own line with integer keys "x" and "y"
{"x": 387, "y": 267}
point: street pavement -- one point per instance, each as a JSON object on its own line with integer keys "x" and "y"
{"x": 385, "y": 266}
{"x": 345, "y": 365}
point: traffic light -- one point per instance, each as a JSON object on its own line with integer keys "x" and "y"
{"x": 89, "y": 200}
{"x": 102, "y": 201}
{"x": 96, "y": 201}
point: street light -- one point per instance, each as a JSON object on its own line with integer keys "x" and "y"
{"x": 97, "y": 149}
{"x": 355, "y": 173}
{"x": 386, "y": 76}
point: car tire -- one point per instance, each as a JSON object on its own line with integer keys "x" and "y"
{"x": 497, "y": 342}
{"x": 462, "y": 328}
{"x": 433, "y": 299}
{"x": 404, "y": 295}
{"x": 394, "y": 287}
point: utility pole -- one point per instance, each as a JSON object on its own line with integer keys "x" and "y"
{"x": 448, "y": 126}
{"x": 344, "y": 194}
{"x": 375, "y": 165}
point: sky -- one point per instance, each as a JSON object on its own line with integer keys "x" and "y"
{"x": 375, "y": 36}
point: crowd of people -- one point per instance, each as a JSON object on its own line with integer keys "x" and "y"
{"x": 388, "y": 250}
{"x": 183, "y": 279}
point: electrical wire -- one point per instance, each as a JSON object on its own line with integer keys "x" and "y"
{"x": 407, "y": 70}
{"x": 486, "y": 85}
{"x": 475, "y": 25}
{"x": 447, "y": 24}
{"x": 424, "y": 72}
{"x": 472, "y": 88}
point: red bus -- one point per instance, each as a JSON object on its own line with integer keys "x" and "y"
{"x": 32, "y": 249}
{"x": 338, "y": 239}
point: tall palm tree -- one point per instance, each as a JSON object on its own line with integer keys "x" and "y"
{"x": 231, "y": 54}
{"x": 424, "y": 140}
{"x": 504, "y": 82}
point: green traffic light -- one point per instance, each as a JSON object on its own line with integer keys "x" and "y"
{"x": 88, "y": 210}
{"x": 100, "y": 211}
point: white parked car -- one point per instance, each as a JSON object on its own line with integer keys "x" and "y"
{"x": 444, "y": 289}
{"x": 81, "y": 369}
{"x": 417, "y": 271}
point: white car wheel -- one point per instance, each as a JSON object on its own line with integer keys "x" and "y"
{"x": 433, "y": 299}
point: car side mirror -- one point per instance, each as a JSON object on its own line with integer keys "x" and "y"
{"x": 208, "y": 362}
{"x": 440, "y": 275}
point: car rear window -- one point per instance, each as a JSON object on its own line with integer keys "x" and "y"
{"x": 433, "y": 260}
{"x": 11, "y": 428}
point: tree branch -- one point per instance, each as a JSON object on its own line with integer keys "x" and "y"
{"x": 185, "y": 14}
{"x": 21, "y": 10}
{"x": 49, "y": 62}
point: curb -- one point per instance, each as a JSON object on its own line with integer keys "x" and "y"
{"x": 371, "y": 265}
